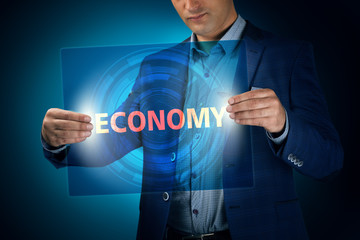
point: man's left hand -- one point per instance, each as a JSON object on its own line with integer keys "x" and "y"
{"x": 259, "y": 107}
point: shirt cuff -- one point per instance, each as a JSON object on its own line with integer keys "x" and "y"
{"x": 280, "y": 139}
{"x": 51, "y": 149}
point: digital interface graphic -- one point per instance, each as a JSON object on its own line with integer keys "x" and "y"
{"x": 136, "y": 104}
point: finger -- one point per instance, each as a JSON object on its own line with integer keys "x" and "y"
{"x": 260, "y": 122}
{"x": 71, "y": 134}
{"x": 258, "y": 113}
{"x": 60, "y": 124}
{"x": 63, "y": 141}
{"x": 258, "y": 93}
{"x": 68, "y": 115}
{"x": 75, "y": 140}
{"x": 251, "y": 104}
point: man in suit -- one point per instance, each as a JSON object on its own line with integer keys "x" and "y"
{"x": 281, "y": 124}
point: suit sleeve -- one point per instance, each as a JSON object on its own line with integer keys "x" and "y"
{"x": 312, "y": 146}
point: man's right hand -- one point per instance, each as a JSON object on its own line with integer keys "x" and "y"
{"x": 62, "y": 127}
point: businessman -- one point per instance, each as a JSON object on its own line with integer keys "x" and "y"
{"x": 281, "y": 123}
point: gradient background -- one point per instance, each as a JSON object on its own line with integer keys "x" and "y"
{"x": 34, "y": 195}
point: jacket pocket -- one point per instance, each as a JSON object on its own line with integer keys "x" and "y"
{"x": 286, "y": 210}
{"x": 290, "y": 220}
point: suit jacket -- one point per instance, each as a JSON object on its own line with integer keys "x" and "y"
{"x": 259, "y": 194}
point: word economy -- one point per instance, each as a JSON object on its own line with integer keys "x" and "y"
{"x": 159, "y": 120}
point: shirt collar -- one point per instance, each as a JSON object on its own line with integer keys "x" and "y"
{"x": 228, "y": 40}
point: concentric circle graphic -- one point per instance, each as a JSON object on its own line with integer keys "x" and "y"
{"x": 110, "y": 92}
{"x": 114, "y": 87}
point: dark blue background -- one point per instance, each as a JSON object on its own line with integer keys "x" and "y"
{"x": 34, "y": 195}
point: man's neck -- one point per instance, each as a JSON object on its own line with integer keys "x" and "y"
{"x": 206, "y": 44}
{"x": 216, "y": 37}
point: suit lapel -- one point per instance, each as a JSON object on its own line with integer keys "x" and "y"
{"x": 254, "y": 51}
{"x": 238, "y": 164}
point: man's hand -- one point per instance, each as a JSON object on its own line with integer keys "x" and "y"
{"x": 62, "y": 127}
{"x": 258, "y": 108}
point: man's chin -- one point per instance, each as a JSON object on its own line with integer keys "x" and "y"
{"x": 199, "y": 28}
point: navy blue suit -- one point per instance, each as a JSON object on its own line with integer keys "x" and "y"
{"x": 259, "y": 195}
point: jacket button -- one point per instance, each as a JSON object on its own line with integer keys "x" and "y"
{"x": 173, "y": 156}
{"x": 165, "y": 196}
{"x": 292, "y": 157}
